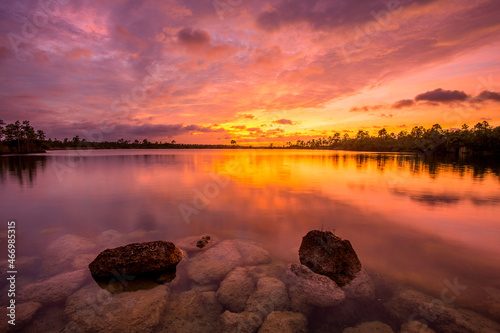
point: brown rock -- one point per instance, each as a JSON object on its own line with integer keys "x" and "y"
{"x": 193, "y": 312}
{"x": 284, "y": 322}
{"x": 203, "y": 241}
{"x": 361, "y": 287}
{"x": 270, "y": 295}
{"x": 53, "y": 290}
{"x": 307, "y": 287}
{"x": 136, "y": 259}
{"x": 24, "y": 313}
{"x": 244, "y": 322}
{"x": 91, "y": 309}
{"x": 274, "y": 269}
{"x": 438, "y": 315}
{"x": 371, "y": 327}
{"x": 251, "y": 253}
{"x": 214, "y": 264}
{"x": 235, "y": 289}
{"x": 415, "y": 327}
{"x": 189, "y": 244}
{"x": 61, "y": 256}
{"x": 329, "y": 255}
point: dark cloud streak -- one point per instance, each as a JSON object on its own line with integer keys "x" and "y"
{"x": 442, "y": 96}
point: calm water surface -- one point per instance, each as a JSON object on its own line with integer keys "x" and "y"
{"x": 410, "y": 222}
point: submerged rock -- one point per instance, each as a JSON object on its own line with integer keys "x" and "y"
{"x": 190, "y": 243}
{"x": 274, "y": 269}
{"x": 371, "y": 327}
{"x": 29, "y": 266}
{"x": 110, "y": 239}
{"x": 244, "y": 322}
{"x": 53, "y": 290}
{"x": 284, "y": 322}
{"x": 415, "y": 327}
{"x": 94, "y": 310}
{"x": 329, "y": 255}
{"x": 270, "y": 295}
{"x": 307, "y": 287}
{"x": 251, "y": 253}
{"x": 193, "y": 312}
{"x": 47, "y": 319}
{"x": 203, "y": 242}
{"x": 214, "y": 264}
{"x": 361, "y": 287}
{"x": 64, "y": 254}
{"x": 433, "y": 312}
{"x": 235, "y": 289}
{"x": 199, "y": 288}
{"x": 24, "y": 313}
{"x": 136, "y": 259}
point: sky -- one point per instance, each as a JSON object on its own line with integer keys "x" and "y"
{"x": 199, "y": 71}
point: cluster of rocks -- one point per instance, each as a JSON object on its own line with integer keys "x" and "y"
{"x": 224, "y": 286}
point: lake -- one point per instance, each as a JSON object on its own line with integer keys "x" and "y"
{"x": 413, "y": 223}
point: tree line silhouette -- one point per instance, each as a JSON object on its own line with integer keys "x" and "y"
{"x": 21, "y": 137}
{"x": 482, "y": 138}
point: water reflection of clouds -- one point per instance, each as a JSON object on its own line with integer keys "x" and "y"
{"x": 431, "y": 199}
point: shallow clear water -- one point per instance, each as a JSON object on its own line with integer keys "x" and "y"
{"x": 412, "y": 223}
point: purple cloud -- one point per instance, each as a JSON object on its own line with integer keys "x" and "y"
{"x": 193, "y": 38}
{"x": 404, "y": 103}
{"x": 489, "y": 95}
{"x": 442, "y": 96}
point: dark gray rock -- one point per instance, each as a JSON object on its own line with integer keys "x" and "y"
{"x": 329, "y": 255}
{"x": 203, "y": 242}
{"x": 189, "y": 244}
{"x": 136, "y": 259}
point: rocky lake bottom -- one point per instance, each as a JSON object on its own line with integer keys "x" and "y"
{"x": 229, "y": 285}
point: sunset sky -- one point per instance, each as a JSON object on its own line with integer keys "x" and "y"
{"x": 204, "y": 71}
